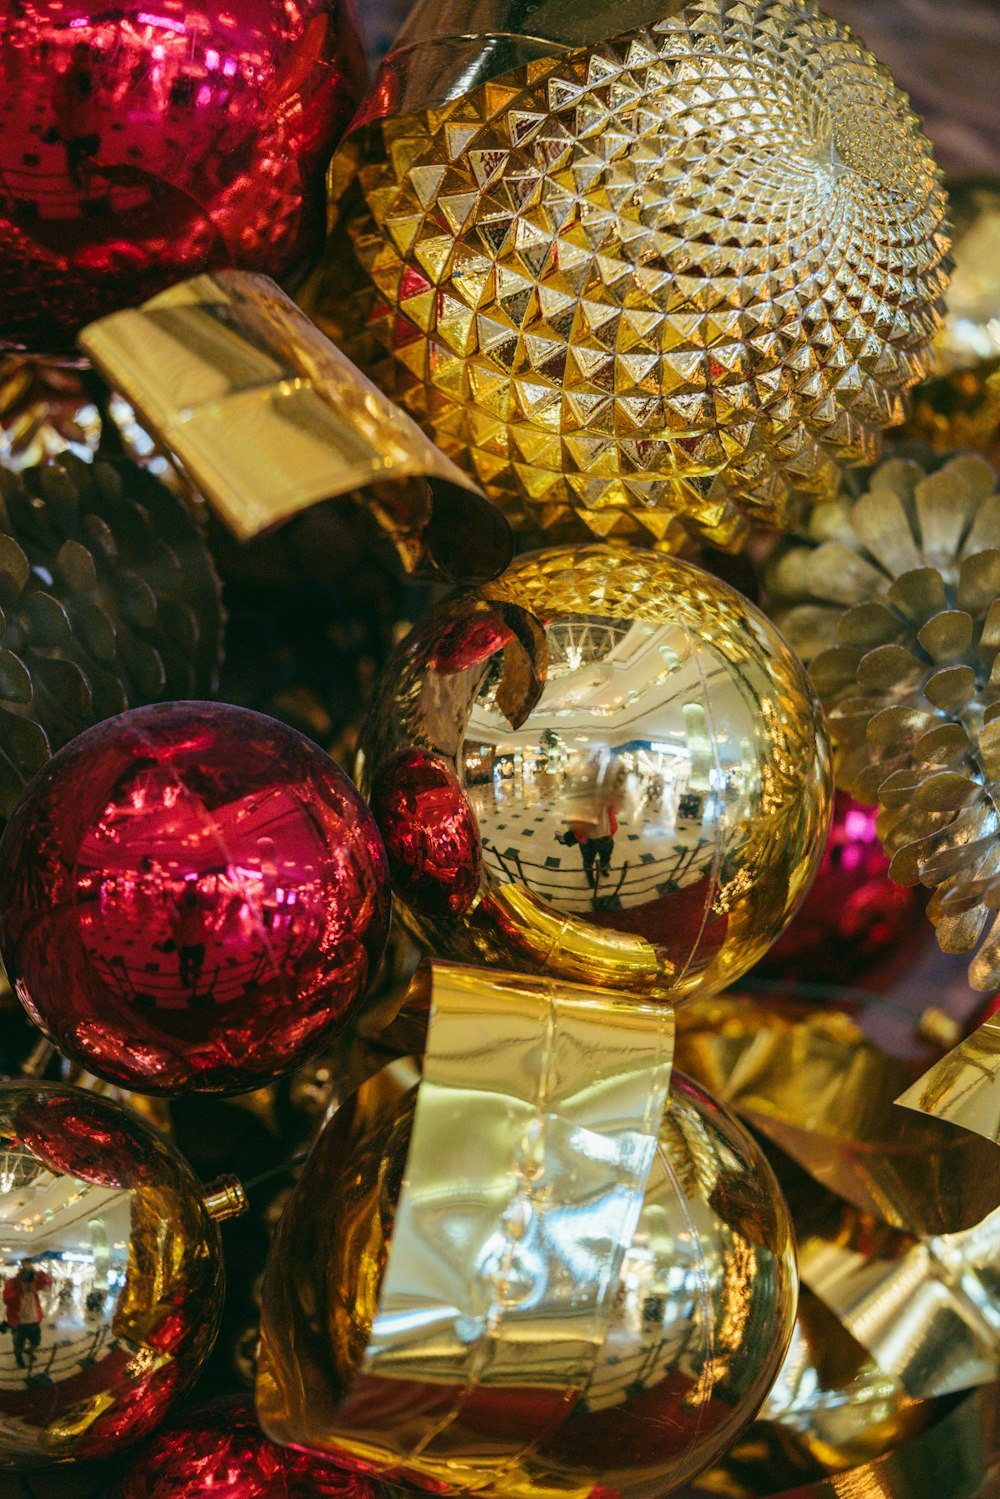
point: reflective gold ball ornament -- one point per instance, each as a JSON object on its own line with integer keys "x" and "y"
{"x": 607, "y": 766}
{"x": 699, "y": 1323}
{"x": 112, "y": 1275}
{"x": 673, "y": 277}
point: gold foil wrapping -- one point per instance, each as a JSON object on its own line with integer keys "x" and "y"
{"x": 811, "y": 1082}
{"x": 964, "y": 1087}
{"x": 268, "y": 419}
{"x": 523, "y": 1275}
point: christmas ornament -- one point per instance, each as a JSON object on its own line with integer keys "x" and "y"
{"x": 109, "y": 600}
{"x": 674, "y": 276}
{"x": 641, "y": 760}
{"x": 854, "y": 917}
{"x": 220, "y": 1449}
{"x": 521, "y": 1275}
{"x": 231, "y": 377}
{"x": 895, "y": 609}
{"x": 45, "y": 408}
{"x": 112, "y": 1275}
{"x": 960, "y": 406}
{"x": 824, "y": 1094}
{"x": 215, "y": 889}
{"x": 962, "y": 1087}
{"x": 143, "y": 146}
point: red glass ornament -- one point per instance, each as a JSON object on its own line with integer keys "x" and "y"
{"x": 220, "y": 1450}
{"x": 430, "y": 831}
{"x": 191, "y": 896}
{"x": 854, "y": 916}
{"x": 150, "y": 140}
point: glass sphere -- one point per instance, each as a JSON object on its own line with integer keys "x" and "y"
{"x": 112, "y": 1275}
{"x": 700, "y": 1319}
{"x": 141, "y": 144}
{"x": 639, "y": 757}
{"x": 191, "y": 895}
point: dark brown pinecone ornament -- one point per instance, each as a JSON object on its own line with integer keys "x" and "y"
{"x": 109, "y": 600}
{"x": 893, "y": 601}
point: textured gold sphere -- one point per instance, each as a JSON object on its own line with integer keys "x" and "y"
{"x": 607, "y": 766}
{"x": 702, "y": 1313}
{"x": 671, "y": 277}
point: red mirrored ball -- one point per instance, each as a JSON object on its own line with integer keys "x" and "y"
{"x": 191, "y": 896}
{"x": 148, "y": 141}
{"x": 219, "y": 1449}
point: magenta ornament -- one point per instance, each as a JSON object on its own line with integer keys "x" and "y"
{"x": 144, "y": 142}
{"x": 191, "y": 896}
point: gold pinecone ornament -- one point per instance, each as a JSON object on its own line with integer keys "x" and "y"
{"x": 109, "y": 600}
{"x": 894, "y": 601}
{"x": 671, "y": 277}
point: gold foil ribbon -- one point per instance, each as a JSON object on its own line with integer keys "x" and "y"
{"x": 812, "y": 1083}
{"x": 535, "y": 1127}
{"x": 964, "y": 1087}
{"x": 268, "y": 419}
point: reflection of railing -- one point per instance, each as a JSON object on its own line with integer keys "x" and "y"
{"x": 215, "y": 986}
{"x": 626, "y": 882}
{"x": 55, "y": 1361}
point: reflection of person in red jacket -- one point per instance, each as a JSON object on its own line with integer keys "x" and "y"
{"x": 23, "y": 1309}
{"x": 596, "y": 843}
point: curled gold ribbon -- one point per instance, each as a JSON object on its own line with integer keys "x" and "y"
{"x": 964, "y": 1087}
{"x": 268, "y": 419}
{"x": 812, "y": 1083}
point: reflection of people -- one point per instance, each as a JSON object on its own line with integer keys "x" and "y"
{"x": 77, "y": 118}
{"x": 596, "y": 843}
{"x": 23, "y": 1309}
{"x": 187, "y": 928}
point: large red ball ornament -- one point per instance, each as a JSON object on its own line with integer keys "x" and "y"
{"x": 191, "y": 896}
{"x": 854, "y": 918}
{"x": 219, "y": 1450}
{"x": 143, "y": 142}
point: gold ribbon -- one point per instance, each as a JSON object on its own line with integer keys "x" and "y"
{"x": 268, "y": 418}
{"x": 964, "y": 1087}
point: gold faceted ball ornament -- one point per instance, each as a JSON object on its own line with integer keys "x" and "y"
{"x": 698, "y": 1315}
{"x": 657, "y": 282}
{"x": 607, "y": 766}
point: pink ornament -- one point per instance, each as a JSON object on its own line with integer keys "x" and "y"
{"x": 220, "y": 1450}
{"x": 191, "y": 896}
{"x": 147, "y": 141}
{"x": 854, "y": 916}
{"x": 430, "y": 832}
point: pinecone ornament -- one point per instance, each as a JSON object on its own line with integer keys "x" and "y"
{"x": 45, "y": 408}
{"x": 109, "y": 600}
{"x": 893, "y": 599}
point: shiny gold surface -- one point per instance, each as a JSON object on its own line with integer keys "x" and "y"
{"x": 925, "y": 1309}
{"x": 269, "y": 419}
{"x": 517, "y": 1278}
{"x": 111, "y": 1271}
{"x": 587, "y": 688}
{"x": 893, "y": 602}
{"x": 964, "y": 1087}
{"x": 810, "y": 1082}
{"x": 656, "y": 282}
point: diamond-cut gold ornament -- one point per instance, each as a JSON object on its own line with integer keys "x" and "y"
{"x": 670, "y": 277}
{"x": 894, "y": 601}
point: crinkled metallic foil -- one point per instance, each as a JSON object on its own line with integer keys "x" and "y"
{"x": 812, "y": 1083}
{"x": 964, "y": 1087}
{"x": 268, "y": 419}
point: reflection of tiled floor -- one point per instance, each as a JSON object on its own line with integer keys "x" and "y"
{"x": 67, "y": 1347}
{"x": 650, "y": 859}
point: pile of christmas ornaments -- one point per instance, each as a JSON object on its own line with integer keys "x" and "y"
{"x": 566, "y": 1187}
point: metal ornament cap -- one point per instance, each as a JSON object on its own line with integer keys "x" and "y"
{"x": 628, "y": 754}
{"x": 509, "y": 1274}
{"x": 113, "y": 1276}
{"x": 214, "y": 887}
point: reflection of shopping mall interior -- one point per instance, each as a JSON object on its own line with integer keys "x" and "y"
{"x": 69, "y": 1293}
{"x": 637, "y": 739}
